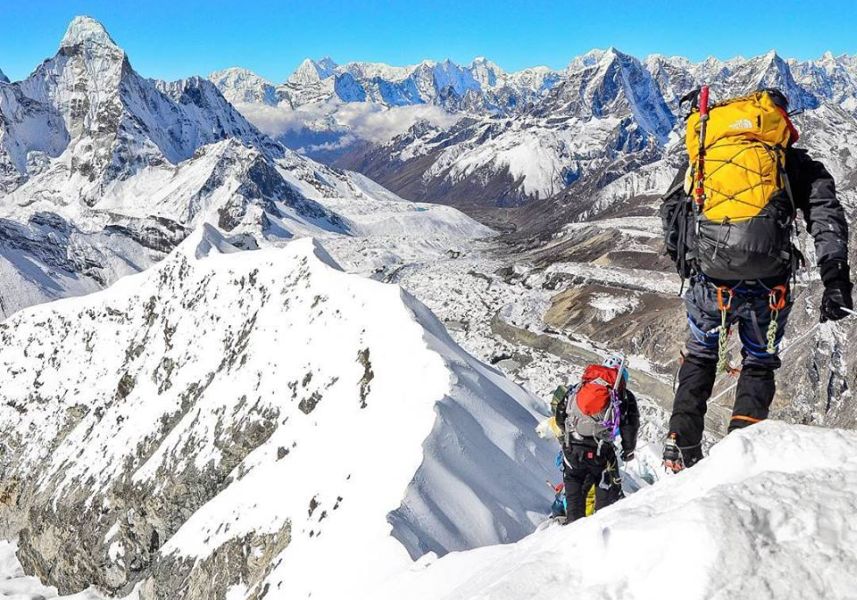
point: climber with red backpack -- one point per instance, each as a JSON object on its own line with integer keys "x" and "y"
{"x": 729, "y": 223}
{"x": 594, "y": 413}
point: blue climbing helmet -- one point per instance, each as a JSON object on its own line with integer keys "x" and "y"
{"x": 617, "y": 361}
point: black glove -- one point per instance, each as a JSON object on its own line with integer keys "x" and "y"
{"x": 837, "y": 291}
{"x": 627, "y": 455}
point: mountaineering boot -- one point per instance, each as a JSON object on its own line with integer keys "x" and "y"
{"x": 677, "y": 458}
{"x": 672, "y": 455}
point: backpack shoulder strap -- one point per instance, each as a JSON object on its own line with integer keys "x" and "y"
{"x": 781, "y": 165}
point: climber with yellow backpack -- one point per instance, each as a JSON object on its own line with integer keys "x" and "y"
{"x": 728, "y": 220}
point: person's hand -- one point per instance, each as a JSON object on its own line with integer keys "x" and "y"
{"x": 833, "y": 301}
{"x": 837, "y": 291}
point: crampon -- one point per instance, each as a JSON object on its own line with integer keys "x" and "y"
{"x": 672, "y": 455}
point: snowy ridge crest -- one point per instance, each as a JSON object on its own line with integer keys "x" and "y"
{"x": 758, "y": 518}
{"x": 225, "y": 375}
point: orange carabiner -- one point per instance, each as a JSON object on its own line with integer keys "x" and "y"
{"x": 724, "y": 306}
{"x": 777, "y": 297}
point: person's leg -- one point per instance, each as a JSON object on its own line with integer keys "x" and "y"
{"x": 574, "y": 475}
{"x": 753, "y": 396}
{"x": 695, "y": 382}
{"x": 756, "y": 385}
{"x": 609, "y": 489}
{"x": 698, "y": 371}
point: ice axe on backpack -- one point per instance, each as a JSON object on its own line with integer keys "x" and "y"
{"x": 615, "y": 399}
{"x": 701, "y": 101}
{"x": 614, "y": 422}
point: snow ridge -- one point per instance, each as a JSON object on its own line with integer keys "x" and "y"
{"x": 282, "y": 383}
{"x": 757, "y": 519}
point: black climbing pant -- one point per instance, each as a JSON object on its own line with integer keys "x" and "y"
{"x": 753, "y": 396}
{"x": 755, "y": 390}
{"x": 695, "y": 381}
{"x": 584, "y": 468}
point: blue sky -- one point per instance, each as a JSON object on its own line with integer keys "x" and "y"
{"x": 180, "y": 38}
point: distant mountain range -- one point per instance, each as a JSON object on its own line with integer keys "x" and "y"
{"x": 477, "y": 137}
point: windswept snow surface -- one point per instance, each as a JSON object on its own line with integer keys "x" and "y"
{"x": 769, "y": 515}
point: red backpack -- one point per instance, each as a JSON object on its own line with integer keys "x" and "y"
{"x": 596, "y": 385}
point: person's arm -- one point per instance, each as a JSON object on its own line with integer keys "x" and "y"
{"x": 629, "y": 425}
{"x": 814, "y": 193}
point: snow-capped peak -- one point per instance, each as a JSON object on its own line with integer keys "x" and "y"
{"x": 328, "y": 65}
{"x": 3, "y": 78}
{"x": 235, "y": 73}
{"x": 485, "y": 72}
{"x": 239, "y": 85}
{"x": 653, "y": 60}
{"x": 593, "y": 57}
{"x": 311, "y": 71}
{"x": 771, "y": 55}
{"x": 482, "y": 61}
{"x": 86, "y": 30}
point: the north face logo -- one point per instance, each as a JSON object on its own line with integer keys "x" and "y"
{"x": 742, "y": 124}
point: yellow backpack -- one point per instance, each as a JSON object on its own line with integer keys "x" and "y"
{"x": 739, "y": 234}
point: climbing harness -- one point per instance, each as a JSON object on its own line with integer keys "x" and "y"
{"x": 777, "y": 300}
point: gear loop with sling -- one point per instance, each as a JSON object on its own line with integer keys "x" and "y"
{"x": 777, "y": 299}
{"x": 725, "y": 295}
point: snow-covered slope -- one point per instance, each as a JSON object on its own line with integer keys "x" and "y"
{"x": 258, "y": 415}
{"x": 30, "y": 133}
{"x": 761, "y": 518}
{"x": 243, "y": 86}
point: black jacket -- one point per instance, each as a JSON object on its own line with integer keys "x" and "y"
{"x": 629, "y": 422}
{"x": 814, "y": 194}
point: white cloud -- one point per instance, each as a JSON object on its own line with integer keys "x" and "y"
{"x": 365, "y": 120}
